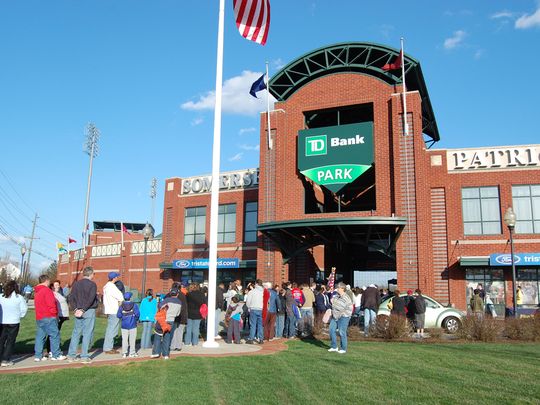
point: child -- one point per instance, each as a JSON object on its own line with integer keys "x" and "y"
{"x": 234, "y": 318}
{"x": 129, "y": 313}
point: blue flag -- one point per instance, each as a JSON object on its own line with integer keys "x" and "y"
{"x": 257, "y": 86}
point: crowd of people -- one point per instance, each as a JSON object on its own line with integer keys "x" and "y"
{"x": 258, "y": 313}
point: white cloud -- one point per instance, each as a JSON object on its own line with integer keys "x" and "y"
{"x": 236, "y": 98}
{"x": 479, "y": 53}
{"x": 236, "y": 157}
{"x": 244, "y": 131}
{"x": 249, "y": 147}
{"x": 455, "y": 40}
{"x": 502, "y": 14}
{"x": 278, "y": 64}
{"x": 528, "y": 20}
{"x": 197, "y": 121}
{"x": 386, "y": 30}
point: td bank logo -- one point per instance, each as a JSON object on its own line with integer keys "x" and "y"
{"x": 316, "y": 145}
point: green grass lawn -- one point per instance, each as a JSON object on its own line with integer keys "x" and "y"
{"x": 371, "y": 372}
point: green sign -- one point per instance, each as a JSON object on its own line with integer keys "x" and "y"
{"x": 335, "y": 156}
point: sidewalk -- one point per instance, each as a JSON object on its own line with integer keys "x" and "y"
{"x": 26, "y": 363}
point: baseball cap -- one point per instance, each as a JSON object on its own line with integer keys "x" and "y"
{"x": 174, "y": 291}
{"x": 113, "y": 274}
{"x": 409, "y": 292}
{"x": 128, "y": 295}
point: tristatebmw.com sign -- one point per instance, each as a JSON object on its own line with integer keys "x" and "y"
{"x": 222, "y": 263}
{"x": 520, "y": 259}
{"x": 335, "y": 156}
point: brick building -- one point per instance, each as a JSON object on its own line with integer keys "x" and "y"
{"x": 343, "y": 182}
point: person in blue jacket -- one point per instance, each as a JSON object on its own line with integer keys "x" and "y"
{"x": 129, "y": 314}
{"x": 149, "y": 306}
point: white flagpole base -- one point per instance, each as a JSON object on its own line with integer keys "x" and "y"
{"x": 211, "y": 344}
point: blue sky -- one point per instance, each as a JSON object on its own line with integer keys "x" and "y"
{"x": 143, "y": 72}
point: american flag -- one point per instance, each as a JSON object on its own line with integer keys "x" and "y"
{"x": 332, "y": 279}
{"x": 253, "y": 19}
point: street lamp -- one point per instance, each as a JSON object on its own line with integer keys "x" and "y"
{"x": 510, "y": 221}
{"x": 23, "y": 252}
{"x": 148, "y": 233}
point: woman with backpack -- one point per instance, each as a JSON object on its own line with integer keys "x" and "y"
{"x": 168, "y": 310}
{"x": 195, "y": 299}
{"x": 148, "y": 311}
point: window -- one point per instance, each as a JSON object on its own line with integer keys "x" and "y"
{"x": 526, "y": 204}
{"x": 481, "y": 210}
{"x": 250, "y": 222}
{"x": 492, "y": 281}
{"x": 195, "y": 225}
{"x": 528, "y": 280}
{"x": 227, "y": 223}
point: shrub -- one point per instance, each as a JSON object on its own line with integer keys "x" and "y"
{"x": 435, "y": 333}
{"x": 390, "y": 327}
{"x": 527, "y": 329}
{"x": 480, "y": 329}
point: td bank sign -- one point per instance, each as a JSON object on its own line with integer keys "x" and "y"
{"x": 335, "y": 156}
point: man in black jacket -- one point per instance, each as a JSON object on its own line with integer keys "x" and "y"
{"x": 83, "y": 301}
{"x": 370, "y": 304}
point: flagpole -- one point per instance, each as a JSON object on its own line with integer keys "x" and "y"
{"x": 214, "y": 200}
{"x": 270, "y": 145}
{"x": 122, "y": 234}
{"x": 405, "y": 121}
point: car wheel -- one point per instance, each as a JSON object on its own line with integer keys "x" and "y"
{"x": 451, "y": 324}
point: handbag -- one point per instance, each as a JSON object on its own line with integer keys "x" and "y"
{"x": 204, "y": 310}
{"x": 327, "y": 315}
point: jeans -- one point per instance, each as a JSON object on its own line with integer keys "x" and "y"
{"x": 162, "y": 344}
{"x": 290, "y": 325}
{"x": 146, "y": 337}
{"x": 47, "y": 327}
{"x": 255, "y": 324}
{"x": 218, "y": 319}
{"x": 280, "y": 325}
{"x": 307, "y": 320}
{"x": 129, "y": 337}
{"x": 369, "y": 319}
{"x": 233, "y": 331}
{"x": 341, "y": 325}
{"x": 177, "y": 338}
{"x": 113, "y": 322}
{"x": 192, "y": 332}
{"x": 83, "y": 326}
{"x": 7, "y": 340}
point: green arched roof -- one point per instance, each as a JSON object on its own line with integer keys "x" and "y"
{"x": 358, "y": 57}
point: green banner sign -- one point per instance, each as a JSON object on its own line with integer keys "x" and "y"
{"x": 335, "y": 156}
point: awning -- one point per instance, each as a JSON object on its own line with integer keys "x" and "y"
{"x": 294, "y": 237}
{"x": 474, "y": 261}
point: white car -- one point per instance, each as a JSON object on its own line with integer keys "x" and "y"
{"x": 437, "y": 315}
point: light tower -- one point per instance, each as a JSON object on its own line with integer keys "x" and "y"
{"x": 90, "y": 147}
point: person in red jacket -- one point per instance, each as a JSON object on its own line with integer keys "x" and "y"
{"x": 46, "y": 320}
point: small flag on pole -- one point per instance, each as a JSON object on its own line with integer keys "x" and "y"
{"x": 396, "y": 64}
{"x": 70, "y": 240}
{"x": 61, "y": 248}
{"x": 124, "y": 229}
{"x": 257, "y": 86}
{"x": 332, "y": 279}
{"x": 253, "y": 19}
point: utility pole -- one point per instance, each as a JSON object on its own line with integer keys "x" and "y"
{"x": 91, "y": 147}
{"x": 27, "y": 267}
{"x": 153, "y": 194}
